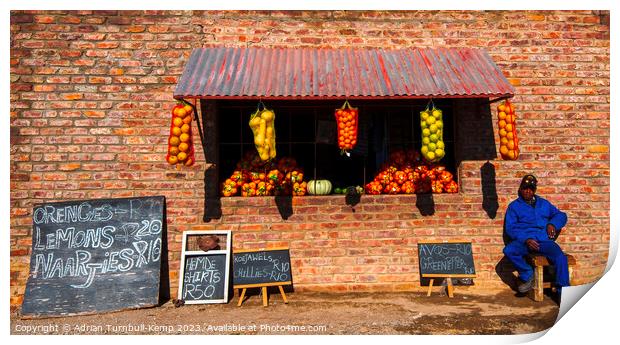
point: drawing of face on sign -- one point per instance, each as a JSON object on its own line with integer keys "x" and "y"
{"x": 206, "y": 243}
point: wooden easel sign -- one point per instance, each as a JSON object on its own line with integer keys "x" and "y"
{"x": 446, "y": 259}
{"x": 261, "y": 269}
{"x": 205, "y": 265}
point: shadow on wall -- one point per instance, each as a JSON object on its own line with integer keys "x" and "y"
{"x": 489, "y": 189}
{"x": 164, "y": 277}
{"x": 425, "y": 204}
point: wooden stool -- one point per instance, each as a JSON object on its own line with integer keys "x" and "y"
{"x": 540, "y": 262}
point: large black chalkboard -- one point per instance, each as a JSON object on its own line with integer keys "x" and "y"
{"x": 265, "y": 267}
{"x": 445, "y": 259}
{"x": 93, "y": 256}
{"x": 204, "y": 277}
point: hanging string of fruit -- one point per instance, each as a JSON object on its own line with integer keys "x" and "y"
{"x": 509, "y": 144}
{"x": 346, "y": 120}
{"x": 431, "y": 122}
{"x": 180, "y": 143}
{"x": 263, "y": 128}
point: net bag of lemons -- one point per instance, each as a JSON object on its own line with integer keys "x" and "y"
{"x": 262, "y": 123}
{"x": 431, "y": 122}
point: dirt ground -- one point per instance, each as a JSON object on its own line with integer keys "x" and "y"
{"x": 319, "y": 313}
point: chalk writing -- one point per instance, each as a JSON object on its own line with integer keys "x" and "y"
{"x": 203, "y": 277}
{"x": 261, "y": 267}
{"x": 446, "y": 258}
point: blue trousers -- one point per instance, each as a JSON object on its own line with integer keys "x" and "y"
{"x": 516, "y": 251}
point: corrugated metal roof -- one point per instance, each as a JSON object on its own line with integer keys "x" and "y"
{"x": 313, "y": 73}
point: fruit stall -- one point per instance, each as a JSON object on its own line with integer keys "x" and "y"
{"x": 287, "y": 132}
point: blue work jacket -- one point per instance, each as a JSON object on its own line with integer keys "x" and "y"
{"x": 524, "y": 221}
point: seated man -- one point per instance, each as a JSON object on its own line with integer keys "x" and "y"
{"x": 533, "y": 224}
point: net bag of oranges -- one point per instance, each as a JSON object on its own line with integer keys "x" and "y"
{"x": 346, "y": 120}
{"x": 431, "y": 121}
{"x": 180, "y": 143}
{"x": 509, "y": 144}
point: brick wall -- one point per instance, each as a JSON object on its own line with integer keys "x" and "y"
{"x": 90, "y": 100}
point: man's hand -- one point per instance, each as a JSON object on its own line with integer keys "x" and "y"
{"x": 532, "y": 244}
{"x": 551, "y": 232}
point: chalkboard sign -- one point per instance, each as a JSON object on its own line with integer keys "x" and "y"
{"x": 204, "y": 274}
{"x": 95, "y": 256}
{"x": 446, "y": 259}
{"x": 262, "y": 268}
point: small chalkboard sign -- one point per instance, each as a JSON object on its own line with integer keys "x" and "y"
{"x": 204, "y": 270}
{"x": 446, "y": 259}
{"x": 260, "y": 269}
{"x": 93, "y": 256}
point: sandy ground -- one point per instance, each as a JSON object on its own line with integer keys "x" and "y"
{"x": 319, "y": 313}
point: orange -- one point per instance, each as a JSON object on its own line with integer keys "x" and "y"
{"x": 512, "y": 154}
{"x": 502, "y": 115}
{"x": 502, "y": 133}
{"x": 176, "y": 131}
{"x": 509, "y": 127}
{"x": 174, "y": 150}
{"x": 509, "y": 135}
{"x": 189, "y": 162}
{"x": 187, "y": 108}
{"x": 187, "y": 119}
{"x": 184, "y": 137}
{"x": 511, "y": 144}
{"x": 180, "y": 112}
{"x": 183, "y": 147}
{"x": 503, "y": 141}
{"x": 503, "y": 150}
{"x": 502, "y": 124}
{"x": 501, "y": 107}
{"x": 510, "y": 118}
{"x": 182, "y": 156}
{"x": 185, "y": 128}
{"x": 177, "y": 122}
{"x": 173, "y": 160}
{"x": 174, "y": 140}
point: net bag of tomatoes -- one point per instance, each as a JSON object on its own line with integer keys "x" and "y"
{"x": 262, "y": 123}
{"x": 180, "y": 143}
{"x": 346, "y": 120}
{"x": 509, "y": 144}
{"x": 431, "y": 122}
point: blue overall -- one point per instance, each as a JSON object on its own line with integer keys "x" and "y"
{"x": 523, "y": 222}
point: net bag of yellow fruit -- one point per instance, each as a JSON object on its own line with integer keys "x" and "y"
{"x": 508, "y": 142}
{"x": 431, "y": 123}
{"x": 180, "y": 143}
{"x": 262, "y": 124}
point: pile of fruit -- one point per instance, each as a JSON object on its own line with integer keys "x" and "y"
{"x": 262, "y": 125}
{"x": 253, "y": 177}
{"x": 346, "y": 120}
{"x": 407, "y": 173}
{"x": 431, "y": 122}
{"x": 180, "y": 143}
{"x": 509, "y": 144}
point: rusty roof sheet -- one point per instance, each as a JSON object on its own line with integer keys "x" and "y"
{"x": 316, "y": 73}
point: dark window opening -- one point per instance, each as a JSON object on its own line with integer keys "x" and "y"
{"x": 306, "y": 131}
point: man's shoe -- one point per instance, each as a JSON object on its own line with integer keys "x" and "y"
{"x": 526, "y": 286}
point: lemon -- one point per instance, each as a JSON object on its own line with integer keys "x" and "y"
{"x": 436, "y": 113}
{"x": 174, "y": 140}
{"x": 183, "y": 147}
{"x": 439, "y": 124}
{"x": 424, "y": 115}
{"x": 432, "y": 147}
{"x": 430, "y": 155}
{"x": 184, "y": 137}
{"x": 433, "y": 128}
{"x": 431, "y": 120}
{"x": 434, "y": 138}
{"x": 423, "y": 124}
{"x": 182, "y": 156}
{"x": 439, "y": 153}
{"x": 185, "y": 128}
{"x": 424, "y": 150}
{"x": 426, "y": 140}
{"x": 426, "y": 132}
{"x": 172, "y": 160}
{"x": 441, "y": 145}
{"x": 176, "y": 131}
